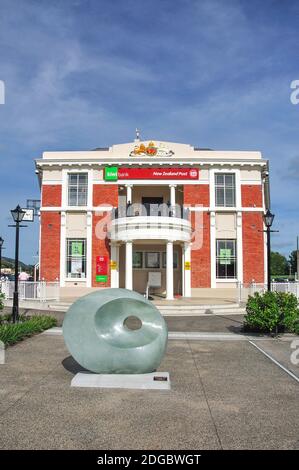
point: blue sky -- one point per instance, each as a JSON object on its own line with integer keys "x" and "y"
{"x": 82, "y": 74}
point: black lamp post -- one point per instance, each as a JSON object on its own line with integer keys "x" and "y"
{"x": 1, "y": 244}
{"x": 17, "y": 215}
{"x": 268, "y": 219}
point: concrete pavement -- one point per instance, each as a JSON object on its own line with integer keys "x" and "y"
{"x": 225, "y": 394}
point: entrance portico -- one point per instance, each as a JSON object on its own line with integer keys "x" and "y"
{"x": 138, "y": 258}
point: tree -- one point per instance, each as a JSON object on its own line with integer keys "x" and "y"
{"x": 293, "y": 261}
{"x": 279, "y": 264}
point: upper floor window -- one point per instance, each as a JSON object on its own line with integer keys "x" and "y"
{"x": 225, "y": 189}
{"x": 77, "y": 189}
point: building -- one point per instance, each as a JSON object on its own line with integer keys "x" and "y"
{"x": 178, "y": 218}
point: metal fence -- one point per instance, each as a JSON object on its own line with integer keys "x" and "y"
{"x": 28, "y": 290}
{"x": 244, "y": 290}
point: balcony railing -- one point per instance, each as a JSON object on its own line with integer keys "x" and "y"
{"x": 150, "y": 221}
{"x": 150, "y": 210}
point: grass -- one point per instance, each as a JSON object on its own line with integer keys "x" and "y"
{"x": 11, "y": 333}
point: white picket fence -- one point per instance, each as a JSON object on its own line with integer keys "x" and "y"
{"x": 28, "y": 290}
{"x": 245, "y": 290}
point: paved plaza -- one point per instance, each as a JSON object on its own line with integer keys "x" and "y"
{"x": 225, "y": 394}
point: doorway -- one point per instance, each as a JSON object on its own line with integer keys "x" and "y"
{"x": 152, "y": 204}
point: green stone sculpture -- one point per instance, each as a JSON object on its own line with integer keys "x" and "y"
{"x": 97, "y": 338}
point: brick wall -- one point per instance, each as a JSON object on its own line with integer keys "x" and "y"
{"x": 105, "y": 194}
{"x": 50, "y": 246}
{"x": 200, "y": 258}
{"x": 197, "y": 194}
{"x": 51, "y": 195}
{"x": 253, "y": 247}
{"x": 252, "y": 195}
{"x": 102, "y": 194}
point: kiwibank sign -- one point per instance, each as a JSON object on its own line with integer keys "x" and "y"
{"x": 113, "y": 173}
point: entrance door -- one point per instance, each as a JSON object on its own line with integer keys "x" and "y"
{"x": 152, "y": 204}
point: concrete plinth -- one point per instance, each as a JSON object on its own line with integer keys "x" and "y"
{"x": 152, "y": 381}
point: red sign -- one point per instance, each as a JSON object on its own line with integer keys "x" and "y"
{"x": 158, "y": 173}
{"x": 101, "y": 265}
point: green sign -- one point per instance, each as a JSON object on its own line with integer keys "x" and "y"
{"x": 77, "y": 248}
{"x": 111, "y": 173}
{"x": 101, "y": 278}
{"x": 225, "y": 255}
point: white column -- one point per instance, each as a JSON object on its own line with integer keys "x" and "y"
{"x": 129, "y": 193}
{"x": 88, "y": 249}
{"x": 187, "y": 272}
{"x": 239, "y": 247}
{"x": 62, "y": 248}
{"x": 172, "y": 194}
{"x": 213, "y": 247}
{"x": 169, "y": 270}
{"x": 129, "y": 265}
{"x": 115, "y": 259}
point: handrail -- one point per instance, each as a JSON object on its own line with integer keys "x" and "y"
{"x": 150, "y": 210}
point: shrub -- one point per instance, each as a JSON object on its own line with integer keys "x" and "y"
{"x": 272, "y": 312}
{"x": 11, "y": 333}
{"x": 1, "y": 301}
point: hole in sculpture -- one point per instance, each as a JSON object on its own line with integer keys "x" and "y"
{"x": 133, "y": 323}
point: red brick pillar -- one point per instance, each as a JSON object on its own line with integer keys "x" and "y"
{"x": 201, "y": 256}
{"x": 50, "y": 233}
{"x": 102, "y": 195}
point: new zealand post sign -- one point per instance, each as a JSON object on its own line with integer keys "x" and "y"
{"x": 101, "y": 268}
{"x": 114, "y": 173}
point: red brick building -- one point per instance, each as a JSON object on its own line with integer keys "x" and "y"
{"x": 165, "y": 215}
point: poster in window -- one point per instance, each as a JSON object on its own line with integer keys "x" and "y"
{"x": 225, "y": 255}
{"x": 152, "y": 260}
{"x": 76, "y": 266}
{"x": 77, "y": 248}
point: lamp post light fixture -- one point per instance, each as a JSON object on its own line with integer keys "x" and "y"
{"x": 1, "y": 244}
{"x": 268, "y": 220}
{"x": 17, "y": 215}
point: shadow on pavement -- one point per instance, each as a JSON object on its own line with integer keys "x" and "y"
{"x": 72, "y": 366}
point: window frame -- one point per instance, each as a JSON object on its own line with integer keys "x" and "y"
{"x": 77, "y": 186}
{"x": 232, "y": 258}
{"x": 79, "y": 258}
{"x": 225, "y": 187}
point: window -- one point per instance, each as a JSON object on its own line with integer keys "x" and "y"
{"x": 137, "y": 259}
{"x": 152, "y": 260}
{"x": 77, "y": 189}
{"x": 175, "y": 260}
{"x": 76, "y": 258}
{"x": 226, "y": 261}
{"x": 225, "y": 189}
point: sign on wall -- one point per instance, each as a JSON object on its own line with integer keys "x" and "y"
{"x": 28, "y": 216}
{"x": 113, "y": 264}
{"x": 187, "y": 265}
{"x": 114, "y": 173}
{"x": 111, "y": 173}
{"x": 101, "y": 268}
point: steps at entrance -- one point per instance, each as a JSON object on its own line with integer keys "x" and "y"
{"x": 201, "y": 310}
{"x": 177, "y": 310}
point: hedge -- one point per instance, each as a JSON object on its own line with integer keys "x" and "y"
{"x": 11, "y": 333}
{"x": 272, "y": 312}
